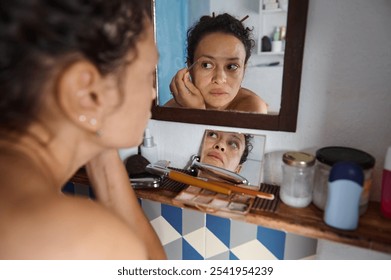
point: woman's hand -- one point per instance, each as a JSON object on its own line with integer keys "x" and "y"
{"x": 113, "y": 189}
{"x": 103, "y": 171}
{"x": 185, "y": 93}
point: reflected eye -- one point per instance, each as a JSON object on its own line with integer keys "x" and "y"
{"x": 207, "y": 65}
{"x": 212, "y": 134}
{"x": 234, "y": 145}
{"x": 233, "y": 67}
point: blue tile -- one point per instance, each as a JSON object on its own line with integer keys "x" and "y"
{"x": 232, "y": 256}
{"x": 189, "y": 253}
{"x": 91, "y": 193}
{"x": 173, "y": 216}
{"x": 273, "y": 240}
{"x": 220, "y": 227}
{"x": 69, "y": 188}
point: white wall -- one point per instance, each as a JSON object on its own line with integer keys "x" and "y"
{"x": 345, "y": 96}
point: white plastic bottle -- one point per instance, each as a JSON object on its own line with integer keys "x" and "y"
{"x": 148, "y": 147}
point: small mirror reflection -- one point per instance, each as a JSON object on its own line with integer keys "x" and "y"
{"x": 237, "y": 152}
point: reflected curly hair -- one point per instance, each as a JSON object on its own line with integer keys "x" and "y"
{"x": 40, "y": 36}
{"x": 248, "y": 147}
{"x": 224, "y": 23}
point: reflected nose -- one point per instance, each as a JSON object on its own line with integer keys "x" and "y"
{"x": 219, "y": 146}
{"x": 219, "y": 76}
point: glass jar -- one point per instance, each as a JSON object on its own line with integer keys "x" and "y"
{"x": 297, "y": 179}
{"x": 326, "y": 157}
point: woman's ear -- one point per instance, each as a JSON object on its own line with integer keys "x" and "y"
{"x": 80, "y": 96}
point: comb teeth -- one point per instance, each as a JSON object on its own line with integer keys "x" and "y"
{"x": 171, "y": 185}
{"x": 261, "y": 204}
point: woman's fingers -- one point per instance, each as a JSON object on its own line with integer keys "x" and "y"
{"x": 185, "y": 93}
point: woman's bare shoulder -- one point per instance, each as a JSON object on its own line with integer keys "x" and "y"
{"x": 70, "y": 228}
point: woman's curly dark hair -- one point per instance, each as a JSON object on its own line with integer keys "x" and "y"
{"x": 224, "y": 23}
{"x": 248, "y": 147}
{"x": 38, "y": 36}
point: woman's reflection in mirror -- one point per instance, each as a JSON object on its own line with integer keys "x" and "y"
{"x": 228, "y": 150}
{"x": 218, "y": 48}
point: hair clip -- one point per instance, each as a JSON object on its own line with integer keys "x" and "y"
{"x": 243, "y": 19}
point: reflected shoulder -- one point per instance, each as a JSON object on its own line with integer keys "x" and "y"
{"x": 248, "y": 101}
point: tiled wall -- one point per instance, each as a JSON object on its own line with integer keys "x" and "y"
{"x": 194, "y": 235}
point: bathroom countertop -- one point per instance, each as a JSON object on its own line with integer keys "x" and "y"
{"x": 373, "y": 232}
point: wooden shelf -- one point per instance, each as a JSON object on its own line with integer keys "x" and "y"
{"x": 373, "y": 232}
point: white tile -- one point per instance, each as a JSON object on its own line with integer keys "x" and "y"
{"x": 213, "y": 245}
{"x": 253, "y": 250}
{"x": 197, "y": 240}
{"x": 164, "y": 230}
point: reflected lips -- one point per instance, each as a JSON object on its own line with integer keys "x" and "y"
{"x": 215, "y": 156}
{"x": 217, "y": 92}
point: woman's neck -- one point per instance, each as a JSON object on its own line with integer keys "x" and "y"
{"x": 53, "y": 157}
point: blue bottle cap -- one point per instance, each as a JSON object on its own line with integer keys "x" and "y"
{"x": 347, "y": 170}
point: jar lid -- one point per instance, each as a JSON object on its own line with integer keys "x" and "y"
{"x": 334, "y": 154}
{"x": 298, "y": 159}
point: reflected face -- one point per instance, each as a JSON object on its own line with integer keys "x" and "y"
{"x": 223, "y": 149}
{"x": 219, "y": 70}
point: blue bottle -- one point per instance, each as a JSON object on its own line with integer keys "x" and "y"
{"x": 344, "y": 191}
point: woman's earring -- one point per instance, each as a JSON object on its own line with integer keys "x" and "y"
{"x": 82, "y": 118}
{"x": 93, "y": 121}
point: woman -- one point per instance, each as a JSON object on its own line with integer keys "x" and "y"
{"x": 76, "y": 83}
{"x": 217, "y": 54}
{"x": 228, "y": 150}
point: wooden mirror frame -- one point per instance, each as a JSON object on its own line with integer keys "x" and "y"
{"x": 286, "y": 120}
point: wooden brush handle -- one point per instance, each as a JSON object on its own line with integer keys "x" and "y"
{"x": 193, "y": 181}
{"x": 243, "y": 190}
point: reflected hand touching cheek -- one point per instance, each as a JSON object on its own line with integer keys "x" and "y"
{"x": 218, "y": 50}
{"x": 185, "y": 93}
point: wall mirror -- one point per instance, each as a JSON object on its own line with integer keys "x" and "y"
{"x": 285, "y": 97}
